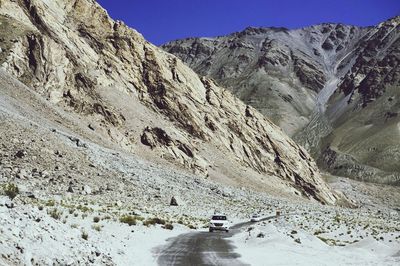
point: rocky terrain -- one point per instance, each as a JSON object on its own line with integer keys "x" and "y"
{"x": 333, "y": 87}
{"x": 131, "y": 95}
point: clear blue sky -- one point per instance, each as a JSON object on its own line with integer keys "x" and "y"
{"x": 165, "y": 20}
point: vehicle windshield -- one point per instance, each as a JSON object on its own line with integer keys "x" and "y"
{"x": 219, "y": 217}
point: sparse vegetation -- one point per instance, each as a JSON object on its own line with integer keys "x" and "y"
{"x": 55, "y": 213}
{"x": 191, "y": 226}
{"x": 84, "y": 208}
{"x": 11, "y": 190}
{"x": 318, "y": 232}
{"x": 327, "y": 241}
{"x": 50, "y": 203}
{"x": 153, "y": 221}
{"x": 337, "y": 218}
{"x": 128, "y": 219}
{"x": 168, "y": 226}
{"x": 96, "y": 219}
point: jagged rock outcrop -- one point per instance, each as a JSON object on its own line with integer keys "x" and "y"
{"x": 376, "y": 65}
{"x": 321, "y": 84}
{"x": 130, "y": 93}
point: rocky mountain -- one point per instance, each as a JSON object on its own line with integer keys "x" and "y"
{"x": 276, "y": 70}
{"x": 117, "y": 90}
{"x": 333, "y": 87}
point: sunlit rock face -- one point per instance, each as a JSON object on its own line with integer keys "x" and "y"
{"x": 139, "y": 98}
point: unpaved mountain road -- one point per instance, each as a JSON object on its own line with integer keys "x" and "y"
{"x": 203, "y": 248}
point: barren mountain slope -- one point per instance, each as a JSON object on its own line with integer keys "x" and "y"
{"x": 276, "y": 70}
{"x": 316, "y": 83}
{"x": 364, "y": 111}
{"x": 130, "y": 93}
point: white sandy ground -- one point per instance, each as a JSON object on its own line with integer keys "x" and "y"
{"x": 52, "y": 241}
{"x": 328, "y": 235}
{"x": 43, "y": 240}
{"x": 278, "y": 247}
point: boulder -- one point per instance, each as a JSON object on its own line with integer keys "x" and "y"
{"x": 20, "y": 154}
{"x": 173, "y": 202}
{"x": 70, "y": 189}
{"x": 9, "y": 204}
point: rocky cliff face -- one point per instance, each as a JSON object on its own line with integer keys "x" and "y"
{"x": 129, "y": 94}
{"x": 319, "y": 84}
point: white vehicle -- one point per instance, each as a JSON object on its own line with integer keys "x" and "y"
{"x": 255, "y": 218}
{"x": 219, "y": 222}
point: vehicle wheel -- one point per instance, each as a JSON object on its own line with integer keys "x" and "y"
{"x": 227, "y": 231}
{"x": 210, "y": 230}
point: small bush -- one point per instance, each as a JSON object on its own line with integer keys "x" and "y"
{"x": 50, "y": 203}
{"x": 318, "y": 232}
{"x": 74, "y": 225}
{"x": 159, "y": 221}
{"x": 84, "y": 208}
{"x": 128, "y": 219}
{"x": 10, "y": 190}
{"x": 55, "y": 214}
{"x": 168, "y": 226}
{"x": 139, "y": 218}
{"x": 85, "y": 235}
{"x": 154, "y": 221}
{"x": 96, "y": 219}
{"x": 40, "y": 208}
